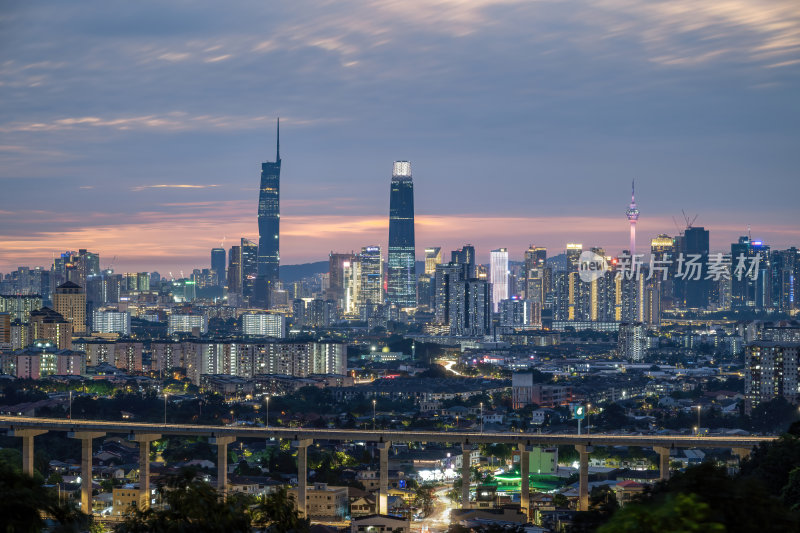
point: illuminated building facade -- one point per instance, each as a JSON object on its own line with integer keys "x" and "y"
{"x": 269, "y": 217}
{"x": 401, "y": 268}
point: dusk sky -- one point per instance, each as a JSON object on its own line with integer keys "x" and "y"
{"x": 137, "y": 129}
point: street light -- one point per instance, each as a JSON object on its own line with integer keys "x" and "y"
{"x": 373, "y": 414}
{"x": 481, "y": 417}
{"x": 588, "y": 420}
{"x": 165, "y": 408}
{"x": 267, "y": 411}
{"x": 70, "y": 405}
{"x": 698, "y": 417}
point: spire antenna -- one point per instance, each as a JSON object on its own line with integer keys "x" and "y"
{"x": 278, "y": 144}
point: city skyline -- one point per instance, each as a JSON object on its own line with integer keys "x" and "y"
{"x": 149, "y": 134}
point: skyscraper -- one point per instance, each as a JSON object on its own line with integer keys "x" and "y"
{"x": 433, "y": 257}
{"x": 498, "y": 276}
{"x": 269, "y": 217}
{"x": 371, "y": 290}
{"x": 633, "y": 215}
{"x": 401, "y": 269}
{"x": 691, "y": 287}
{"x": 218, "y": 265}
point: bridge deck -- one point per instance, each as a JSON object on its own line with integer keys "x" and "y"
{"x": 677, "y": 441}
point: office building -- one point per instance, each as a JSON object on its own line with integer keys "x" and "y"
{"x": 371, "y": 290}
{"x": 433, "y": 257}
{"x": 337, "y": 263}
{"x": 770, "y": 371}
{"x": 269, "y": 213}
{"x": 218, "y": 266}
{"x": 692, "y": 290}
{"x": 249, "y": 273}
{"x": 402, "y": 274}
{"x": 751, "y": 286}
{"x": 786, "y": 279}
{"x": 498, "y": 276}
{"x": 465, "y": 256}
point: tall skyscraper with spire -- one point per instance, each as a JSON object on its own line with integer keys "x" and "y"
{"x": 269, "y": 218}
{"x": 402, "y": 268}
{"x": 633, "y": 215}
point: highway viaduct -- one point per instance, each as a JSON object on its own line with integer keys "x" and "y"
{"x": 145, "y": 433}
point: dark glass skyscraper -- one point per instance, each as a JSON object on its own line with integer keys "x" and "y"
{"x": 402, "y": 268}
{"x": 269, "y": 213}
{"x": 218, "y": 265}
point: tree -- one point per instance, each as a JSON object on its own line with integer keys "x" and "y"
{"x": 23, "y": 502}
{"x": 191, "y": 505}
{"x": 678, "y": 513}
{"x": 423, "y": 499}
{"x": 276, "y": 512}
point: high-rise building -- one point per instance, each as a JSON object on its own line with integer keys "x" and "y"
{"x": 264, "y": 325}
{"x": 498, "y": 276}
{"x": 786, "y": 279}
{"x": 70, "y": 302}
{"x": 47, "y": 324}
{"x": 751, "y": 291}
{"x": 249, "y": 268}
{"x": 234, "y": 275}
{"x": 433, "y": 257}
{"x": 631, "y": 341}
{"x": 336, "y": 276}
{"x": 402, "y": 264}
{"x": 269, "y": 217}
{"x": 112, "y": 321}
{"x": 218, "y": 266}
{"x": 692, "y": 289}
{"x": 371, "y": 290}
{"x": 574, "y": 252}
{"x": 470, "y": 308}
{"x": 770, "y": 371}
{"x": 633, "y": 215}
{"x": 465, "y": 256}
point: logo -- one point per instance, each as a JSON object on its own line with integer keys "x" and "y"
{"x": 591, "y": 266}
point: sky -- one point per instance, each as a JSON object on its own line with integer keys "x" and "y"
{"x": 137, "y": 129}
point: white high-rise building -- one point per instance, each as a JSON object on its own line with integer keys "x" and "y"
{"x": 112, "y": 322}
{"x": 264, "y": 325}
{"x": 498, "y": 276}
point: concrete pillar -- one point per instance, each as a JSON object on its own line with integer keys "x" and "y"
{"x": 383, "y": 489}
{"x": 583, "y": 473}
{"x": 663, "y": 463}
{"x": 524, "y": 472}
{"x": 466, "y": 455}
{"x": 27, "y": 436}
{"x": 144, "y": 440}
{"x": 86, "y": 438}
{"x": 222, "y": 461}
{"x": 302, "y": 473}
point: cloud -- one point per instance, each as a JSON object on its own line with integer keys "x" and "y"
{"x": 172, "y": 186}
